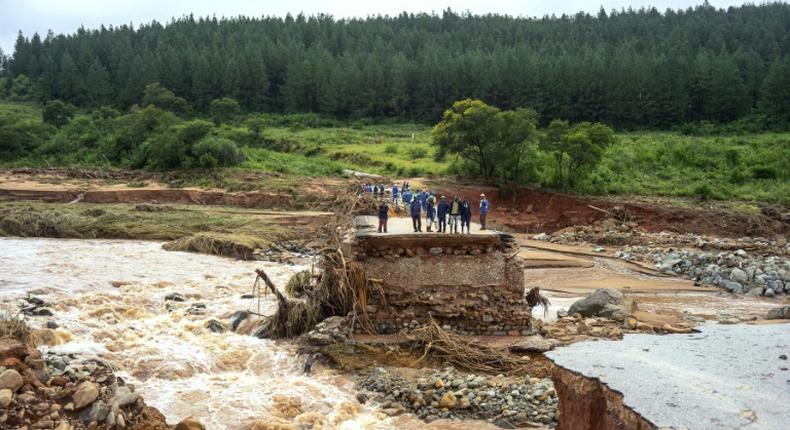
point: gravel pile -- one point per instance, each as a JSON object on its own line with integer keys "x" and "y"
{"x": 508, "y": 402}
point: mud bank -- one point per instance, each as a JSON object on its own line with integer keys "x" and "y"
{"x": 526, "y": 210}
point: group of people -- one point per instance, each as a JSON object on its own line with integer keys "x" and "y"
{"x": 377, "y": 190}
{"x": 455, "y": 212}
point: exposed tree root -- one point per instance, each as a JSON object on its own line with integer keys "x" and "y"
{"x": 453, "y": 349}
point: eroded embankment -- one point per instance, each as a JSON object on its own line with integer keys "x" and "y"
{"x": 527, "y": 210}
{"x": 588, "y": 404}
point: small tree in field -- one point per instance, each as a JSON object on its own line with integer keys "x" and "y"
{"x": 224, "y": 109}
{"x": 494, "y": 142}
{"x": 57, "y": 113}
{"x": 159, "y": 96}
{"x": 576, "y": 149}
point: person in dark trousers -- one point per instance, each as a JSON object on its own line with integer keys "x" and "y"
{"x": 414, "y": 210}
{"x": 430, "y": 213}
{"x": 466, "y": 215}
{"x": 383, "y": 216}
{"x": 455, "y": 213}
{"x": 441, "y": 213}
{"x": 483, "y": 211}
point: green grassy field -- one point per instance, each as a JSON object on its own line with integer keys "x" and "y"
{"x": 397, "y": 150}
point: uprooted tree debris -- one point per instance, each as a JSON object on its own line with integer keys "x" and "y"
{"x": 340, "y": 287}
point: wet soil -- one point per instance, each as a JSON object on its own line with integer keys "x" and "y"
{"x": 527, "y": 210}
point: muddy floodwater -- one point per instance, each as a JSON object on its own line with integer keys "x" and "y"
{"x": 108, "y": 297}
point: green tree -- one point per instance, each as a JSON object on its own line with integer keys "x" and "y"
{"x": 775, "y": 92}
{"x": 555, "y": 142}
{"x": 69, "y": 84}
{"x": 99, "y": 90}
{"x": 576, "y": 150}
{"x": 224, "y": 110}
{"x": 470, "y": 129}
{"x": 57, "y": 113}
{"x": 161, "y": 97}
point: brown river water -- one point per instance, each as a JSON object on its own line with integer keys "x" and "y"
{"x": 180, "y": 366}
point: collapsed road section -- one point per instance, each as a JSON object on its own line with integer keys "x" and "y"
{"x": 724, "y": 377}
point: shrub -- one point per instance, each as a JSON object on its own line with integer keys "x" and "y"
{"x": 391, "y": 149}
{"x": 703, "y": 191}
{"x": 417, "y": 152}
{"x": 165, "y": 152}
{"x": 57, "y": 113}
{"x": 212, "y": 151}
{"x": 224, "y": 109}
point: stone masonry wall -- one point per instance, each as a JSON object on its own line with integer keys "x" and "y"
{"x": 470, "y": 288}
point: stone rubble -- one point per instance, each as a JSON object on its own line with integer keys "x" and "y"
{"x": 747, "y": 265}
{"x": 738, "y": 272}
{"x": 508, "y": 402}
{"x": 67, "y": 391}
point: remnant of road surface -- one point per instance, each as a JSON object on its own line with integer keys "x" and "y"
{"x": 725, "y": 377}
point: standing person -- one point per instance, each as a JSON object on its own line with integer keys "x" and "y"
{"x": 406, "y": 196}
{"x": 375, "y": 190}
{"x": 395, "y": 193}
{"x": 466, "y": 215}
{"x": 455, "y": 212}
{"x": 441, "y": 212}
{"x": 383, "y": 215}
{"x": 430, "y": 212}
{"x": 414, "y": 210}
{"x": 483, "y": 211}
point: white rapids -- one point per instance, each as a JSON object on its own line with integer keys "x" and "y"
{"x": 107, "y": 296}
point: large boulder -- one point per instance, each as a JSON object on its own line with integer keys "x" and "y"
{"x": 86, "y": 393}
{"x": 780, "y": 313}
{"x": 604, "y": 302}
{"x": 739, "y": 275}
{"x": 11, "y": 380}
{"x": 12, "y": 348}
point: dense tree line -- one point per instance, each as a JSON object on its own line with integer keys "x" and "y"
{"x": 630, "y": 68}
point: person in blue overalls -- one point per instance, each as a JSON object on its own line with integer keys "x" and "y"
{"x": 414, "y": 210}
{"x": 395, "y": 194}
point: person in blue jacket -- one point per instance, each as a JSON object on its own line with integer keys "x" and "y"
{"x": 442, "y": 210}
{"x": 483, "y": 211}
{"x": 407, "y": 197}
{"x": 423, "y": 199}
{"x": 395, "y": 193}
{"x": 415, "y": 210}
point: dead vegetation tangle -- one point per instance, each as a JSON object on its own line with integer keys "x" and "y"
{"x": 453, "y": 349}
{"x": 341, "y": 286}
